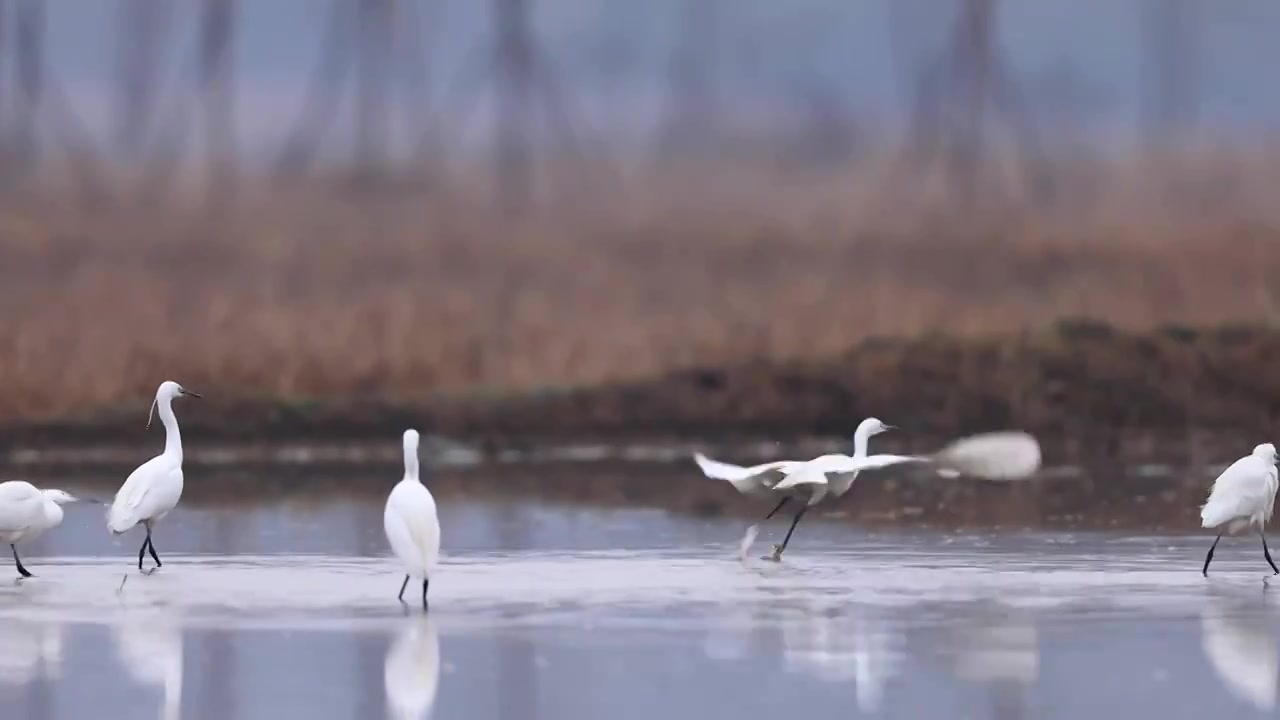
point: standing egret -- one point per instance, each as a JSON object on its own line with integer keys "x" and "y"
{"x": 1242, "y": 496}
{"x": 413, "y": 530}
{"x": 25, "y": 512}
{"x": 153, "y": 489}
{"x": 762, "y": 480}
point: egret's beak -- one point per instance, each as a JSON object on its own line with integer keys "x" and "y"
{"x": 192, "y": 394}
{"x": 889, "y": 427}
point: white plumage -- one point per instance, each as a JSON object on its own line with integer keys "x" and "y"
{"x": 412, "y": 671}
{"x": 413, "y": 529}
{"x": 152, "y": 490}
{"x": 1004, "y": 455}
{"x": 1011, "y": 455}
{"x": 763, "y": 480}
{"x": 1243, "y": 496}
{"x": 26, "y": 512}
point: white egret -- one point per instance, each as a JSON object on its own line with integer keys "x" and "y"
{"x": 1243, "y": 496}
{"x": 25, "y": 512}
{"x": 1010, "y": 455}
{"x": 762, "y": 480}
{"x": 411, "y": 674}
{"x": 413, "y": 530}
{"x": 152, "y": 490}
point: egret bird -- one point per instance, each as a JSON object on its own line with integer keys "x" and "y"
{"x": 413, "y": 530}
{"x": 1243, "y": 496}
{"x": 153, "y": 489}
{"x": 411, "y": 673}
{"x": 762, "y": 480}
{"x": 1011, "y": 455}
{"x": 25, "y": 512}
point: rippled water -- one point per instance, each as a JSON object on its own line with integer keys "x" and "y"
{"x": 286, "y": 608}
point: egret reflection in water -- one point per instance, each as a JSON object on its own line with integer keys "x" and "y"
{"x": 844, "y": 645}
{"x": 29, "y": 649}
{"x": 411, "y": 675}
{"x": 149, "y": 643}
{"x": 1239, "y": 640}
{"x": 998, "y": 646}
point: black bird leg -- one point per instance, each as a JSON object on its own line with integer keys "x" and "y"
{"x": 404, "y": 585}
{"x": 1208, "y": 558}
{"x": 425, "y": 583}
{"x": 151, "y": 545}
{"x": 776, "y": 508}
{"x": 779, "y": 549}
{"x": 21, "y": 570}
{"x": 148, "y": 544}
{"x": 1267, "y": 552}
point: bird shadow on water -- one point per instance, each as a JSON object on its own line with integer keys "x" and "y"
{"x": 411, "y": 672}
{"x": 1238, "y": 635}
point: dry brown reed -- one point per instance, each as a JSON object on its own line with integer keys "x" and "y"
{"x": 315, "y": 292}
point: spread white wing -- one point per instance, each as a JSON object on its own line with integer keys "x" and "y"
{"x": 816, "y": 471}
{"x": 756, "y": 478}
{"x": 1004, "y": 455}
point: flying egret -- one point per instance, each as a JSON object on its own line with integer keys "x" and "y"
{"x": 1242, "y": 496}
{"x": 762, "y": 480}
{"x": 413, "y": 530}
{"x": 153, "y": 489}
{"x": 411, "y": 674}
{"x": 25, "y": 512}
{"x": 1009, "y": 455}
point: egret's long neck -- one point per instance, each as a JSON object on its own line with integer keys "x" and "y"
{"x": 172, "y": 438}
{"x": 860, "y": 438}
{"x": 411, "y": 464}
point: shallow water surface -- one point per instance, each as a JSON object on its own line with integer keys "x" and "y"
{"x": 286, "y": 608}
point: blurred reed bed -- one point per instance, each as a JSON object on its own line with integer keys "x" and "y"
{"x": 317, "y": 290}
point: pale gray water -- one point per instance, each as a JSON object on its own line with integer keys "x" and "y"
{"x": 286, "y": 608}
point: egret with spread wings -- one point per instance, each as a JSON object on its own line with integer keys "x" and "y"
{"x": 1011, "y": 455}
{"x": 763, "y": 480}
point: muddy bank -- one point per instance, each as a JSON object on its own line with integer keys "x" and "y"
{"x": 1175, "y": 395}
